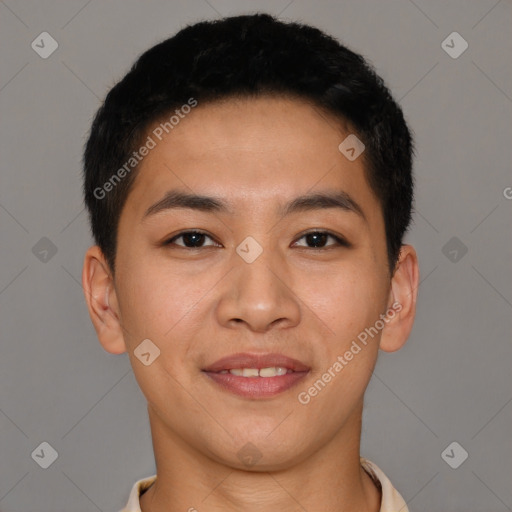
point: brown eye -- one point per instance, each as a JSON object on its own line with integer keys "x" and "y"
{"x": 190, "y": 240}
{"x": 318, "y": 240}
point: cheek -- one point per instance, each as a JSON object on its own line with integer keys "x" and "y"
{"x": 346, "y": 300}
{"x": 159, "y": 301}
{"x": 160, "y": 306}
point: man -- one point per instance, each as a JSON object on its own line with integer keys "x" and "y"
{"x": 249, "y": 185}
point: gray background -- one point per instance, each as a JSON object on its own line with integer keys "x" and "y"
{"x": 451, "y": 382}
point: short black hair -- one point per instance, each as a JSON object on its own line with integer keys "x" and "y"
{"x": 248, "y": 56}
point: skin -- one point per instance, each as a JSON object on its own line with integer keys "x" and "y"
{"x": 198, "y": 305}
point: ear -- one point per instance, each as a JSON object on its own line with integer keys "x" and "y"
{"x": 402, "y": 301}
{"x": 101, "y": 299}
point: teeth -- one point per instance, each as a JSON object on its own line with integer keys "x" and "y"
{"x": 272, "y": 372}
{"x": 250, "y": 372}
{"x": 254, "y": 372}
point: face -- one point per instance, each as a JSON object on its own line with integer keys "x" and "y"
{"x": 250, "y": 279}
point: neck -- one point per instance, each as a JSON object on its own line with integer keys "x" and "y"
{"x": 331, "y": 479}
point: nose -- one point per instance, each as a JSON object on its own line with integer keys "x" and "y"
{"x": 259, "y": 296}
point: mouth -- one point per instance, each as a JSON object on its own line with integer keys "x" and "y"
{"x": 256, "y": 375}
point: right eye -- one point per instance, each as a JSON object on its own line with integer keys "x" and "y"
{"x": 191, "y": 240}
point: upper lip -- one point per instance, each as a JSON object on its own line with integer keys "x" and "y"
{"x": 259, "y": 361}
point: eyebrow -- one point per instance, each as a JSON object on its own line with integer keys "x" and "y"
{"x": 175, "y": 199}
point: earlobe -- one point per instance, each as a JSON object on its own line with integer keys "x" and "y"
{"x": 402, "y": 301}
{"x": 99, "y": 291}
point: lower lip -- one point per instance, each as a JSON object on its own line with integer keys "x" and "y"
{"x": 256, "y": 387}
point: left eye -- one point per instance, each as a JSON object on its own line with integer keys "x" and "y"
{"x": 319, "y": 239}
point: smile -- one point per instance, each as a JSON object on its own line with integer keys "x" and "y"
{"x": 256, "y": 376}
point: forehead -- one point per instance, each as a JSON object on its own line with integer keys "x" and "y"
{"x": 261, "y": 150}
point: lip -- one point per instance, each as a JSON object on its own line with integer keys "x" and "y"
{"x": 259, "y": 361}
{"x": 256, "y": 387}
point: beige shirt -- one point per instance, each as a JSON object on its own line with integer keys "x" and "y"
{"x": 391, "y": 499}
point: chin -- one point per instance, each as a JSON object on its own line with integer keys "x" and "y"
{"x": 262, "y": 452}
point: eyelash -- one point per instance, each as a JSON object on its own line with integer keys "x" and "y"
{"x": 339, "y": 241}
